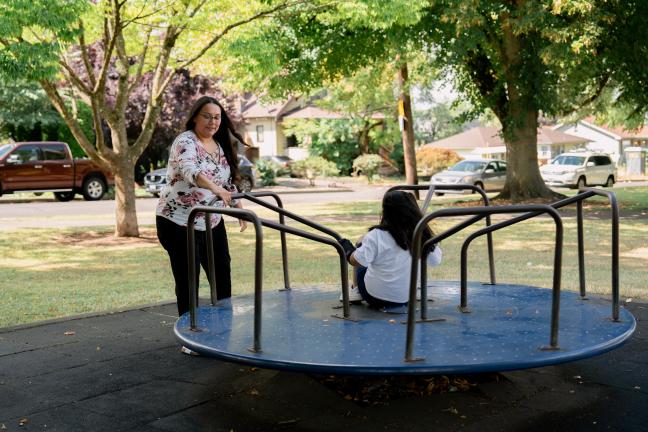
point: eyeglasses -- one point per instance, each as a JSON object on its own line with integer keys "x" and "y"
{"x": 210, "y": 117}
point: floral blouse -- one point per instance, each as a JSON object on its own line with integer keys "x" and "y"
{"x": 187, "y": 159}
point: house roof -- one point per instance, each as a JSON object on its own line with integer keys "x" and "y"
{"x": 293, "y": 108}
{"x": 308, "y": 112}
{"x": 621, "y": 132}
{"x": 614, "y": 132}
{"x": 255, "y": 109}
{"x": 489, "y": 136}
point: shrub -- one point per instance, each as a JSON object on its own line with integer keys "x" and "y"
{"x": 314, "y": 166}
{"x": 267, "y": 170}
{"x": 431, "y": 160}
{"x": 367, "y": 165}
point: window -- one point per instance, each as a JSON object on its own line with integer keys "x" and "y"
{"x": 54, "y": 152}
{"x": 291, "y": 141}
{"x": 27, "y": 153}
{"x": 259, "y": 133}
{"x": 502, "y": 166}
{"x": 492, "y": 166}
{"x": 602, "y": 160}
{"x": 568, "y": 160}
{"x": 5, "y": 148}
{"x": 468, "y": 166}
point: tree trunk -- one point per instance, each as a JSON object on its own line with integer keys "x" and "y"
{"x": 125, "y": 209}
{"x": 364, "y": 139}
{"x": 520, "y": 120}
{"x": 523, "y": 179}
{"x": 408, "y": 127}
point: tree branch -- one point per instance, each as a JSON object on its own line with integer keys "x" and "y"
{"x": 604, "y": 80}
{"x": 101, "y": 153}
{"x": 74, "y": 78}
{"x": 85, "y": 57}
{"x": 489, "y": 86}
{"x": 231, "y": 27}
{"x": 141, "y": 59}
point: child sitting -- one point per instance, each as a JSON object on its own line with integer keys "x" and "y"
{"x": 383, "y": 260}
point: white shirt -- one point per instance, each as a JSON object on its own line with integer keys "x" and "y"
{"x": 388, "y": 266}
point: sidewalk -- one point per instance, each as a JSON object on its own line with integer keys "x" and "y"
{"x": 123, "y": 372}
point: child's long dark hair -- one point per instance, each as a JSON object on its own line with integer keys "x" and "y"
{"x": 400, "y": 214}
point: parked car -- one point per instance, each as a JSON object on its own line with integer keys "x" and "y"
{"x": 488, "y": 174}
{"x": 284, "y": 162}
{"x": 156, "y": 180}
{"x": 579, "y": 169}
{"x": 48, "y": 166}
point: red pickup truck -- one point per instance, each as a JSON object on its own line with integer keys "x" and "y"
{"x": 48, "y": 166}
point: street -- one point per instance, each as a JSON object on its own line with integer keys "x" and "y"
{"x": 48, "y": 214}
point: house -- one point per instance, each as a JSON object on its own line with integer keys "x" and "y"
{"x": 263, "y": 125}
{"x": 605, "y": 139}
{"x": 485, "y": 141}
{"x": 263, "y": 129}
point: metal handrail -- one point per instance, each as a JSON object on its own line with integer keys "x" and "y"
{"x": 282, "y": 212}
{"x": 614, "y": 209}
{"x": 483, "y": 212}
{"x": 258, "y": 262}
{"x": 578, "y": 199}
{"x": 344, "y": 271}
{"x": 253, "y": 196}
{"x": 457, "y": 187}
{"x": 282, "y": 235}
{"x": 258, "y": 270}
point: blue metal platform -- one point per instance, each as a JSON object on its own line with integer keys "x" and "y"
{"x": 505, "y": 330}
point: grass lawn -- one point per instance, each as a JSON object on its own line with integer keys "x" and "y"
{"x": 47, "y": 273}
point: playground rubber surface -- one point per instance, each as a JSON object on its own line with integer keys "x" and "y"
{"x": 123, "y": 371}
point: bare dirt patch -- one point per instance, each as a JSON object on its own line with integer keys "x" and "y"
{"x": 641, "y": 253}
{"x": 91, "y": 238}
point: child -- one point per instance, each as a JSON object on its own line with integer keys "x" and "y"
{"x": 383, "y": 260}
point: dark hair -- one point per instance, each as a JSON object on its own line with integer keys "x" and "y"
{"x": 223, "y": 135}
{"x": 400, "y": 214}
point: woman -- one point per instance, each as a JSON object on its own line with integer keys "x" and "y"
{"x": 383, "y": 259}
{"x": 202, "y": 165}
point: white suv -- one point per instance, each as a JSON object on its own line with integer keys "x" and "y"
{"x": 579, "y": 169}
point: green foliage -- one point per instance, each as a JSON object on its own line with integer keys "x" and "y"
{"x": 313, "y": 167}
{"x": 84, "y": 117}
{"x": 431, "y": 160}
{"x": 25, "y": 111}
{"x": 26, "y": 114}
{"x": 33, "y": 33}
{"x": 367, "y": 165}
{"x": 267, "y": 171}
{"x": 332, "y": 139}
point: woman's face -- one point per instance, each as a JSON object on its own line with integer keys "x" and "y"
{"x": 207, "y": 120}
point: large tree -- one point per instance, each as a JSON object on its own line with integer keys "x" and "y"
{"x": 517, "y": 58}
{"x": 525, "y": 58}
{"x": 46, "y": 41}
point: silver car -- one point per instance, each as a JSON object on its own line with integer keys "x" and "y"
{"x": 488, "y": 174}
{"x": 579, "y": 169}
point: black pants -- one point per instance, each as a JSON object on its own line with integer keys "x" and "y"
{"x": 173, "y": 238}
